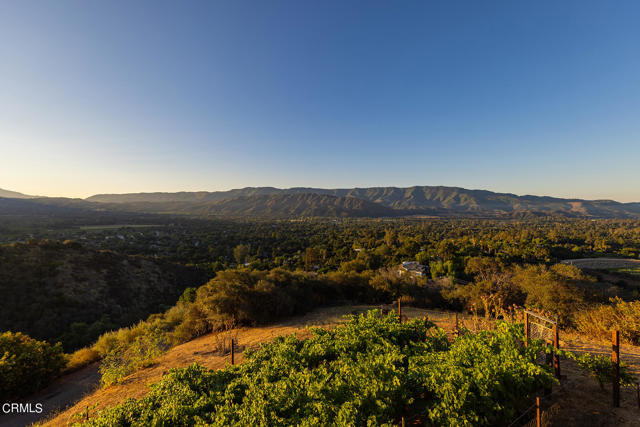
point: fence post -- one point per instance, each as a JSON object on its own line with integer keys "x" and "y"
{"x": 232, "y": 351}
{"x": 456, "y": 323}
{"x": 526, "y": 329}
{"x": 399, "y": 310}
{"x": 556, "y": 346}
{"x": 538, "y": 412}
{"x": 615, "y": 358}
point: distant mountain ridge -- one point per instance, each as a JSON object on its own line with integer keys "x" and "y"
{"x": 270, "y": 206}
{"x": 14, "y": 194}
{"x": 431, "y": 200}
{"x": 270, "y": 202}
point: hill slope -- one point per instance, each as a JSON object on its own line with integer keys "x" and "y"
{"x": 270, "y": 206}
{"x": 272, "y": 202}
{"x": 14, "y": 194}
{"x": 47, "y": 287}
{"x": 416, "y": 200}
{"x": 581, "y": 388}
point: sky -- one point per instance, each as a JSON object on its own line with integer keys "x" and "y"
{"x": 513, "y": 96}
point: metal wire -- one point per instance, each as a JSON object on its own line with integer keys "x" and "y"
{"x": 526, "y": 411}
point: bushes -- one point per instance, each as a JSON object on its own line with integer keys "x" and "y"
{"x": 125, "y": 359}
{"x": 81, "y": 358}
{"x": 27, "y": 365}
{"x": 601, "y": 368}
{"x": 598, "y": 321}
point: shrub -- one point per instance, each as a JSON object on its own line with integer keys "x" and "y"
{"x": 81, "y": 358}
{"x": 27, "y": 365}
{"x": 601, "y": 368}
{"x": 598, "y": 321}
{"x": 125, "y": 359}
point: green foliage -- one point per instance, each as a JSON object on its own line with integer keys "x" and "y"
{"x": 69, "y": 293}
{"x": 601, "y": 368}
{"x": 240, "y": 253}
{"x": 366, "y": 372}
{"x": 189, "y": 295}
{"x": 122, "y": 360}
{"x": 27, "y": 365}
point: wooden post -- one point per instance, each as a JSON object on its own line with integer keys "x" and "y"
{"x": 87, "y": 412}
{"x": 233, "y": 351}
{"x": 556, "y": 346}
{"x": 538, "y": 412}
{"x": 638, "y": 394}
{"x": 399, "y": 310}
{"x": 402, "y": 421}
{"x": 615, "y": 358}
{"x": 526, "y": 329}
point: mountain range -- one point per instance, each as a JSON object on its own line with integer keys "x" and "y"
{"x": 270, "y": 202}
{"x": 14, "y": 194}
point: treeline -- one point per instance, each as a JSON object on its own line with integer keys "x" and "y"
{"x": 271, "y": 244}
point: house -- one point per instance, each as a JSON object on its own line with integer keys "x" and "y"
{"x": 412, "y": 267}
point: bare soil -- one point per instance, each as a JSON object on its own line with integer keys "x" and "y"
{"x": 603, "y": 263}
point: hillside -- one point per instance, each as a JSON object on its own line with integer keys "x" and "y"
{"x": 446, "y": 201}
{"x": 14, "y": 194}
{"x": 270, "y": 206}
{"x": 568, "y": 408}
{"x": 269, "y": 202}
{"x": 56, "y": 291}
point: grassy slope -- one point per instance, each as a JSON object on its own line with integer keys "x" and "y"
{"x": 577, "y": 389}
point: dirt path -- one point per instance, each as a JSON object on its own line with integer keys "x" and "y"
{"x": 603, "y": 263}
{"x": 57, "y": 396}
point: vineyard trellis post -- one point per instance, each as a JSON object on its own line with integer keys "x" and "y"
{"x": 547, "y": 329}
{"x": 233, "y": 351}
{"x": 615, "y": 358}
{"x": 399, "y": 310}
{"x": 556, "y": 346}
{"x": 526, "y": 329}
{"x": 538, "y": 412}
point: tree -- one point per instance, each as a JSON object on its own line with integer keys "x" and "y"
{"x": 27, "y": 365}
{"x": 240, "y": 253}
{"x": 311, "y": 257}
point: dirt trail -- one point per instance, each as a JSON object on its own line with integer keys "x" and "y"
{"x": 56, "y": 396}
{"x": 603, "y": 263}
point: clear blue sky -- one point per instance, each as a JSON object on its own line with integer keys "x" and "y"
{"x": 535, "y": 97}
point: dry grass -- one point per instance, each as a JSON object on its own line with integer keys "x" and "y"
{"x": 81, "y": 358}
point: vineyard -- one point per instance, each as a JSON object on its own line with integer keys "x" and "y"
{"x": 370, "y": 371}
